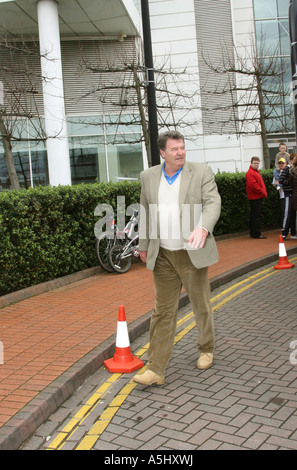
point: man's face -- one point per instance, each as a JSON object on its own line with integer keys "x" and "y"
{"x": 174, "y": 154}
{"x": 255, "y": 164}
{"x": 282, "y": 165}
{"x": 283, "y": 148}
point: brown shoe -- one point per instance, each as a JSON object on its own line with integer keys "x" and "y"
{"x": 148, "y": 378}
{"x": 205, "y": 361}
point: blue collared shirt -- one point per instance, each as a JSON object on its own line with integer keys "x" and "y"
{"x": 171, "y": 179}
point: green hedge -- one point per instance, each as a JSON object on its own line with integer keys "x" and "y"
{"x": 48, "y": 232}
{"x": 235, "y": 206}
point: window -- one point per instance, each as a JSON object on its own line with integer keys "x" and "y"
{"x": 31, "y": 169}
{"x": 83, "y": 164}
{"x": 265, "y": 9}
{"x": 272, "y": 35}
{"x": 283, "y": 7}
{"x": 124, "y": 161}
{"x": 39, "y": 168}
{"x": 104, "y": 152}
{"x": 267, "y": 34}
{"x": 284, "y": 37}
{"x": 98, "y": 152}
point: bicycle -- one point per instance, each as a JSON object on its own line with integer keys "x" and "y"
{"x": 120, "y": 255}
{"x": 103, "y": 245}
{"x": 105, "y": 242}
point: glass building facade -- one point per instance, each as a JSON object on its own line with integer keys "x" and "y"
{"x": 273, "y": 42}
{"x": 94, "y": 156}
{"x": 100, "y": 149}
{"x": 103, "y": 131}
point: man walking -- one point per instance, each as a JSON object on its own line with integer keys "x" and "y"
{"x": 180, "y": 206}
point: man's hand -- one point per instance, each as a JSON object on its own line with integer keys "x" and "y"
{"x": 197, "y": 238}
{"x": 143, "y": 256}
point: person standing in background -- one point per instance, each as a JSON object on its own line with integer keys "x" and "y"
{"x": 256, "y": 192}
{"x": 289, "y": 221}
{"x": 276, "y": 174}
{"x": 282, "y": 154}
{"x": 293, "y": 181}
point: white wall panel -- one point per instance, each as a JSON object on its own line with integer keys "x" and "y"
{"x": 188, "y": 47}
{"x": 175, "y": 20}
{"x": 168, "y": 7}
{"x": 174, "y": 34}
{"x": 171, "y": 34}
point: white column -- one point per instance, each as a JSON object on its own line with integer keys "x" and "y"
{"x": 53, "y": 93}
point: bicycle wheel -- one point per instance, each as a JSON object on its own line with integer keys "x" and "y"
{"x": 119, "y": 265}
{"x": 102, "y": 247}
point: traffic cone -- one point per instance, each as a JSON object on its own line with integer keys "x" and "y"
{"x": 283, "y": 262}
{"x": 123, "y": 360}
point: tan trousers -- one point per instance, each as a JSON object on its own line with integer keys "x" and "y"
{"x": 172, "y": 270}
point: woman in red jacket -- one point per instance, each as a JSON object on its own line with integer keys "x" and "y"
{"x": 256, "y": 191}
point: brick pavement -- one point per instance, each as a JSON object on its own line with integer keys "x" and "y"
{"x": 246, "y": 401}
{"x": 54, "y": 340}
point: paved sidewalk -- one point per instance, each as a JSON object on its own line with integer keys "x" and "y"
{"x": 245, "y": 401}
{"x": 54, "y": 340}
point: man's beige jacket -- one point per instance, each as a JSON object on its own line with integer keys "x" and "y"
{"x": 199, "y": 204}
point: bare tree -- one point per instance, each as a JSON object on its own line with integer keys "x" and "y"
{"x": 253, "y": 81}
{"x": 20, "y": 87}
{"x": 119, "y": 82}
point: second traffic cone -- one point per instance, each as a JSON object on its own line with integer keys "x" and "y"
{"x": 283, "y": 262}
{"x": 123, "y": 360}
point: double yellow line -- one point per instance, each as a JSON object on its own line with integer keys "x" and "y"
{"x": 92, "y": 436}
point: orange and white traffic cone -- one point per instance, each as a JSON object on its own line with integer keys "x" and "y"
{"x": 123, "y": 360}
{"x": 283, "y": 262}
